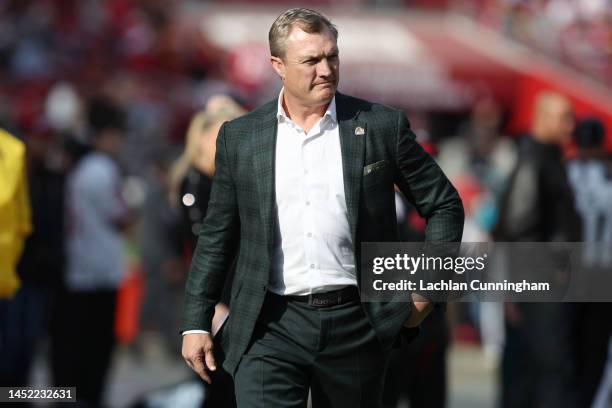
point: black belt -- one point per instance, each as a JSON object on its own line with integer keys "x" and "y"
{"x": 326, "y": 299}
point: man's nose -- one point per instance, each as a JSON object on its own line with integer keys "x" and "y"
{"x": 324, "y": 68}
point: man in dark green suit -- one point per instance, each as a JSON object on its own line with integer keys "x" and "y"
{"x": 300, "y": 183}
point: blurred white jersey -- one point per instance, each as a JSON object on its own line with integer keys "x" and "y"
{"x": 591, "y": 180}
{"x": 95, "y": 249}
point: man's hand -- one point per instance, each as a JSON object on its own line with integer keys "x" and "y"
{"x": 198, "y": 353}
{"x": 420, "y": 309}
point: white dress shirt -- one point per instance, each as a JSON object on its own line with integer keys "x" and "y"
{"x": 313, "y": 247}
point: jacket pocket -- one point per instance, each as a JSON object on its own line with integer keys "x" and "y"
{"x": 371, "y": 168}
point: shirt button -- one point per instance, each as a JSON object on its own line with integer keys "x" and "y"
{"x": 309, "y": 235}
{"x": 307, "y": 202}
{"x": 312, "y": 266}
{"x": 305, "y": 171}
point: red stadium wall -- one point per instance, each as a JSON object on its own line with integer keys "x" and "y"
{"x": 586, "y": 102}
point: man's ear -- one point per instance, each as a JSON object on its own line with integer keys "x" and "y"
{"x": 278, "y": 66}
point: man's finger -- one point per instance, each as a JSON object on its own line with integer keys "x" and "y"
{"x": 210, "y": 359}
{"x": 189, "y": 363}
{"x": 200, "y": 368}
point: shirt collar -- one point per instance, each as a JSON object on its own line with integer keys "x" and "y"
{"x": 330, "y": 113}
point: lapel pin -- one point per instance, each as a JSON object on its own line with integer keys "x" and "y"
{"x": 359, "y": 131}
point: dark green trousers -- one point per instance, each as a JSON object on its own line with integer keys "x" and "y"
{"x": 332, "y": 351}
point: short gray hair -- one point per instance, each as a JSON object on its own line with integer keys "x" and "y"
{"x": 308, "y": 20}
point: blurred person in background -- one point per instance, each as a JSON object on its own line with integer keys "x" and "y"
{"x": 41, "y": 266}
{"x": 417, "y": 375}
{"x": 191, "y": 175}
{"x": 161, "y": 249}
{"x": 83, "y": 336}
{"x": 15, "y": 226}
{"x": 191, "y": 182}
{"x": 479, "y": 162}
{"x": 15, "y": 221}
{"x": 481, "y": 155}
{"x": 590, "y": 175}
{"x": 538, "y": 206}
{"x": 297, "y": 322}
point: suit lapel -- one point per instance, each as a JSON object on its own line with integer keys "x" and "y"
{"x": 264, "y": 166}
{"x": 352, "y": 143}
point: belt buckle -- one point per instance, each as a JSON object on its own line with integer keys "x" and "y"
{"x": 321, "y": 301}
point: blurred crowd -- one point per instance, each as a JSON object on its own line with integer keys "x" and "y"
{"x": 55, "y": 55}
{"x": 110, "y": 115}
{"x": 576, "y": 33}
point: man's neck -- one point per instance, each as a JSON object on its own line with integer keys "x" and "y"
{"x": 542, "y": 138}
{"x": 303, "y": 116}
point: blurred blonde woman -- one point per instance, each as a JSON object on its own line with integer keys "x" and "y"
{"x": 190, "y": 185}
{"x": 191, "y": 175}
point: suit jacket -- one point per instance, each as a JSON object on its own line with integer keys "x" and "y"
{"x": 241, "y": 212}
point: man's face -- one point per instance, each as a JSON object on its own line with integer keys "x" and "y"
{"x": 566, "y": 123}
{"x": 310, "y": 67}
{"x": 562, "y": 121}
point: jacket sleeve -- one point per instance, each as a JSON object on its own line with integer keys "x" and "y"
{"x": 216, "y": 245}
{"x": 434, "y": 197}
{"x": 424, "y": 184}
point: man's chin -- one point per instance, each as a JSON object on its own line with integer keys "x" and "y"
{"x": 326, "y": 94}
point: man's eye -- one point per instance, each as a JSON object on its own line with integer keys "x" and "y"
{"x": 311, "y": 62}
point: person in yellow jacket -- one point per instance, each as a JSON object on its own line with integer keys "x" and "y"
{"x": 15, "y": 214}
